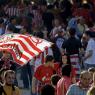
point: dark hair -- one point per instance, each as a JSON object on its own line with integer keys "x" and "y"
{"x": 54, "y": 79}
{"x": 12, "y": 18}
{"x": 1, "y": 21}
{"x": 88, "y": 33}
{"x": 11, "y": 27}
{"x": 92, "y": 69}
{"x": 48, "y": 90}
{"x": 49, "y": 58}
{"x": 68, "y": 59}
{"x": 66, "y": 70}
{"x": 72, "y": 31}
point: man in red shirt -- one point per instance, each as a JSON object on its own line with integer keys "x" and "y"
{"x": 43, "y": 74}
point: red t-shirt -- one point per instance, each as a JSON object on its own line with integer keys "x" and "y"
{"x": 63, "y": 85}
{"x": 45, "y": 72}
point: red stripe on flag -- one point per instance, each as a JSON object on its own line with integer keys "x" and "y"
{"x": 31, "y": 44}
{"x": 24, "y": 46}
{"x": 15, "y": 58}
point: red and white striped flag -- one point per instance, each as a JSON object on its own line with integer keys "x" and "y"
{"x": 23, "y": 47}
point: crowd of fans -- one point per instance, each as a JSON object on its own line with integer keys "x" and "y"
{"x": 70, "y": 26}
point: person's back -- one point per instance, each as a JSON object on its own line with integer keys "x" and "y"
{"x": 64, "y": 83}
{"x": 72, "y": 45}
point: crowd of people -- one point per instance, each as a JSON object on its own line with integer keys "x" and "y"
{"x": 70, "y": 68}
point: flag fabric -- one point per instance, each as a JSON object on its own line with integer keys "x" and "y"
{"x": 23, "y": 47}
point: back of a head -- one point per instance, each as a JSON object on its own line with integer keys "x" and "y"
{"x": 88, "y": 33}
{"x": 11, "y": 27}
{"x": 66, "y": 70}
{"x": 48, "y": 90}
{"x": 92, "y": 69}
{"x": 54, "y": 79}
{"x": 49, "y": 58}
{"x": 72, "y": 32}
{"x": 12, "y": 18}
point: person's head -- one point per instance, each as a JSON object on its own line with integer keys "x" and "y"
{"x": 48, "y": 90}
{"x": 66, "y": 59}
{"x": 85, "y": 78}
{"x": 66, "y": 70}
{"x": 56, "y": 22}
{"x": 87, "y": 35}
{"x": 72, "y": 32}
{"x": 91, "y": 70}
{"x": 49, "y": 61}
{"x": 49, "y": 58}
{"x": 9, "y": 77}
{"x": 6, "y": 54}
{"x": 11, "y": 28}
{"x": 61, "y": 32}
{"x": 82, "y": 21}
{"x": 13, "y": 20}
{"x": 54, "y": 79}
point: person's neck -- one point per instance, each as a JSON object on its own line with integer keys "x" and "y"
{"x": 46, "y": 64}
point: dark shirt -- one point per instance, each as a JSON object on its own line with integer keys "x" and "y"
{"x": 48, "y": 17}
{"x": 72, "y": 45}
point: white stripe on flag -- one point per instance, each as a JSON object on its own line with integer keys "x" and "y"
{"x": 28, "y": 46}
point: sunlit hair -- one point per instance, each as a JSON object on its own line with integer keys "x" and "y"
{"x": 8, "y": 72}
{"x": 84, "y": 73}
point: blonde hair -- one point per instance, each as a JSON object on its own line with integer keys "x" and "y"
{"x": 7, "y": 72}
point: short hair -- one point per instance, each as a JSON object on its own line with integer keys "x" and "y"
{"x": 12, "y": 18}
{"x": 72, "y": 31}
{"x": 1, "y": 21}
{"x": 49, "y": 58}
{"x": 92, "y": 69}
{"x": 88, "y": 33}
{"x": 66, "y": 70}
{"x": 84, "y": 73}
{"x": 7, "y": 72}
{"x": 48, "y": 90}
{"x": 54, "y": 79}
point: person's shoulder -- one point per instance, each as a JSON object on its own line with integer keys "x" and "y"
{"x": 74, "y": 86}
{"x": 40, "y": 66}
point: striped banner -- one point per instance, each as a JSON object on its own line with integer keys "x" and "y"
{"x": 23, "y": 47}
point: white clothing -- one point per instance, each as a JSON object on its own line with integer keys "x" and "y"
{"x": 90, "y": 47}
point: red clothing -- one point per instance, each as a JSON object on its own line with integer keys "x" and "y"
{"x": 59, "y": 72}
{"x": 44, "y": 72}
{"x": 63, "y": 85}
{"x": 85, "y": 13}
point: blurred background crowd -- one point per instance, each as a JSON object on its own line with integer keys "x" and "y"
{"x": 70, "y": 26}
